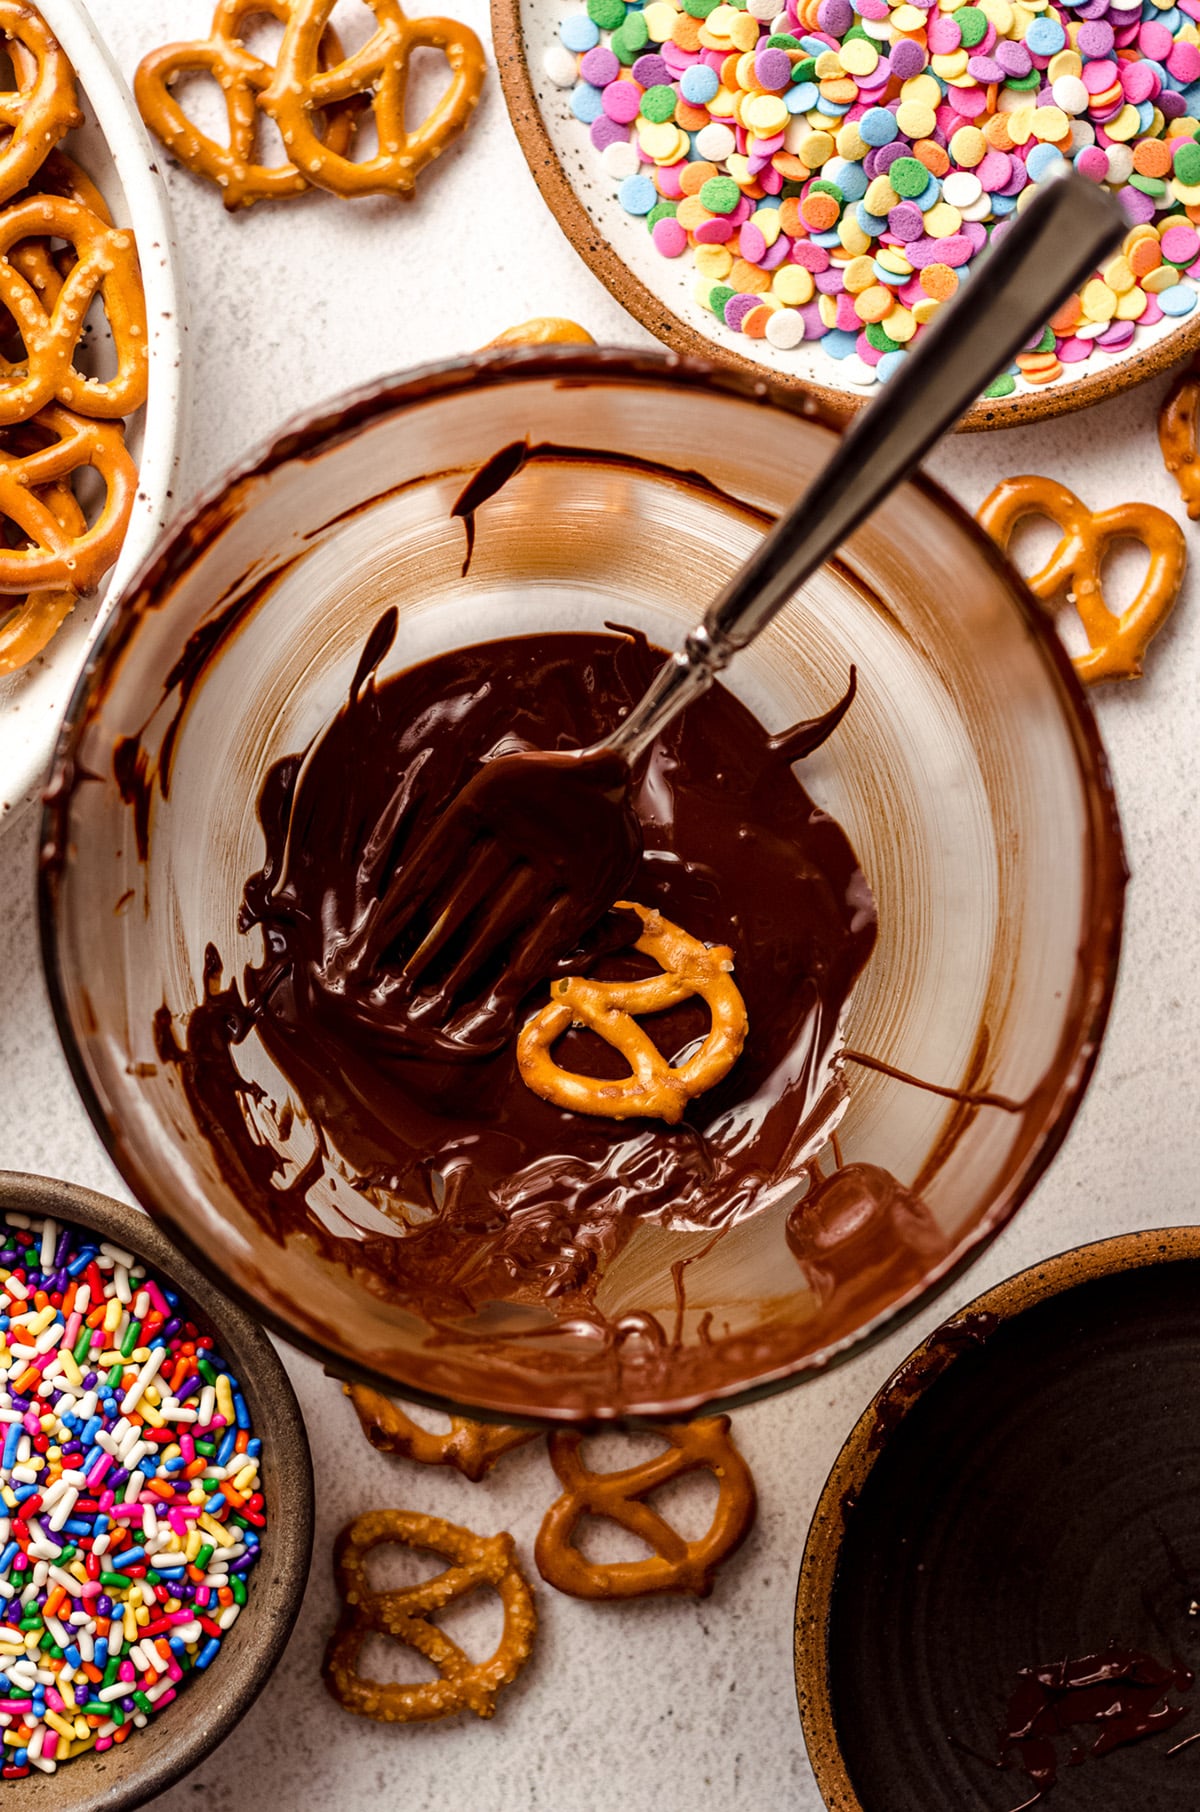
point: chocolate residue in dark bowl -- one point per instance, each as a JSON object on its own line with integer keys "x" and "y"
{"x": 1000, "y": 1599}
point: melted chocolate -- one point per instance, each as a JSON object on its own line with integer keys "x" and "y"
{"x": 858, "y": 1229}
{"x": 499, "y": 1194}
{"x": 1123, "y": 1693}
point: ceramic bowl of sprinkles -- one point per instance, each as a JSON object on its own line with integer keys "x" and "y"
{"x": 155, "y": 1503}
{"x": 802, "y": 187}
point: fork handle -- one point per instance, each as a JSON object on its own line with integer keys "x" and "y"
{"x": 1049, "y": 249}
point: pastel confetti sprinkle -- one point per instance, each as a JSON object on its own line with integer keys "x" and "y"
{"x": 834, "y": 168}
{"x": 130, "y": 1501}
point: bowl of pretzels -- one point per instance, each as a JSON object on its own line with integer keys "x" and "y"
{"x": 526, "y": 491}
{"x": 92, "y": 379}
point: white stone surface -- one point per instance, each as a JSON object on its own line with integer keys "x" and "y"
{"x": 671, "y": 1706}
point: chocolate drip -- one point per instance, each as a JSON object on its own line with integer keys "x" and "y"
{"x": 1123, "y": 1693}
{"x": 498, "y": 1194}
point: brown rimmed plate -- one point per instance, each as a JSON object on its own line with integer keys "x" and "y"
{"x": 1024, "y": 1492}
{"x": 658, "y": 291}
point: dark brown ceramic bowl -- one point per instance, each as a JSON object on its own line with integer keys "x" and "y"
{"x": 210, "y": 1704}
{"x": 1024, "y": 1492}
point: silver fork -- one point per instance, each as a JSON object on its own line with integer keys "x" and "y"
{"x": 538, "y": 845}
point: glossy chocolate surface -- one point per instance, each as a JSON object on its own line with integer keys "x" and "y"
{"x": 1019, "y": 1577}
{"x": 500, "y": 1195}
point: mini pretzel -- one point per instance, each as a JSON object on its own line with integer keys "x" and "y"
{"x": 242, "y": 78}
{"x": 1177, "y": 425}
{"x": 654, "y": 1088}
{"x": 300, "y": 87}
{"x": 675, "y": 1565}
{"x": 26, "y": 629}
{"x": 57, "y": 554}
{"x": 1116, "y": 643}
{"x": 43, "y": 107}
{"x": 406, "y": 1616}
{"x": 471, "y": 1447}
{"x": 106, "y": 264}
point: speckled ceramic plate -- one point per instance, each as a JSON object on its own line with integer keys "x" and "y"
{"x": 114, "y": 148}
{"x": 1009, "y": 1545}
{"x": 658, "y": 291}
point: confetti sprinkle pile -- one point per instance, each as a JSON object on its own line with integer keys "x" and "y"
{"x": 834, "y": 169}
{"x": 131, "y": 1504}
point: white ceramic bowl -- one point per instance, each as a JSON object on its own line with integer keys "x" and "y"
{"x": 116, "y": 150}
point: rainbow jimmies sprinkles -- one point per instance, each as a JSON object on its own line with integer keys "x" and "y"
{"x": 131, "y": 1502}
{"x": 833, "y": 169}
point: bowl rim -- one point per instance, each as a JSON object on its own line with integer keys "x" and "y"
{"x": 659, "y": 317}
{"x": 1038, "y": 1283}
{"x": 27, "y": 1192}
{"x": 326, "y": 426}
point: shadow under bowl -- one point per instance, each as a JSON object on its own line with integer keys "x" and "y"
{"x": 210, "y": 1704}
{"x": 969, "y": 778}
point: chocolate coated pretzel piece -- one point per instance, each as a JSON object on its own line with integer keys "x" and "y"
{"x": 106, "y": 264}
{"x": 241, "y": 77}
{"x": 654, "y": 1088}
{"x": 471, "y": 1447}
{"x": 44, "y": 107}
{"x": 300, "y": 88}
{"x": 405, "y": 1614}
{"x": 1177, "y": 426}
{"x": 57, "y": 555}
{"x": 1074, "y": 569}
{"x": 675, "y": 1565}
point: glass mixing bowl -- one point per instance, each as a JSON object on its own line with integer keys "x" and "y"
{"x": 969, "y": 778}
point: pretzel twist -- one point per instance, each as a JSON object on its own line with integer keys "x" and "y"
{"x": 472, "y": 1448}
{"x": 1177, "y": 428}
{"x": 654, "y": 1088}
{"x": 28, "y": 624}
{"x": 674, "y": 1565}
{"x": 242, "y": 77}
{"x": 106, "y": 264}
{"x": 57, "y": 554}
{"x": 406, "y": 1615}
{"x": 301, "y": 87}
{"x": 1074, "y": 570}
{"x": 43, "y": 107}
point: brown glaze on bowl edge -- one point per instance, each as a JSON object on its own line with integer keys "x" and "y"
{"x": 210, "y": 1705}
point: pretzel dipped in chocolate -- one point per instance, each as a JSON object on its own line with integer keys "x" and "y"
{"x": 28, "y": 624}
{"x": 654, "y": 1088}
{"x": 301, "y": 88}
{"x": 242, "y": 77}
{"x": 1177, "y": 428}
{"x": 57, "y": 554}
{"x": 472, "y": 1448}
{"x": 1075, "y": 568}
{"x": 105, "y": 264}
{"x": 43, "y": 107}
{"x": 406, "y": 1615}
{"x": 674, "y": 1565}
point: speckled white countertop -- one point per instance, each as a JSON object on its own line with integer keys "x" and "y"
{"x": 671, "y": 1706}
